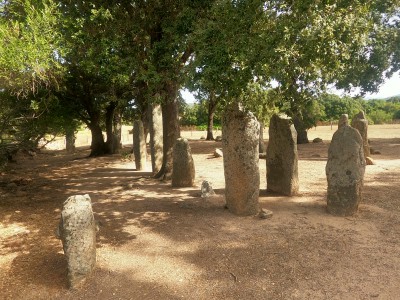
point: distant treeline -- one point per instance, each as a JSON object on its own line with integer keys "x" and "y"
{"x": 326, "y": 109}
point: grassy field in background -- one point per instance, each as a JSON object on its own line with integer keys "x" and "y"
{"x": 324, "y": 132}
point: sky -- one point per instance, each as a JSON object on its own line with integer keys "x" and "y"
{"x": 390, "y": 88}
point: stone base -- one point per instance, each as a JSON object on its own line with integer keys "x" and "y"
{"x": 344, "y": 201}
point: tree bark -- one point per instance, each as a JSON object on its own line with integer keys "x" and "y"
{"x": 302, "y": 135}
{"x": 98, "y": 146}
{"x": 139, "y": 145}
{"x": 70, "y": 140}
{"x": 156, "y": 137}
{"x": 171, "y": 130}
{"x": 212, "y": 104}
{"x": 117, "y": 131}
{"x": 261, "y": 144}
{"x": 109, "y": 127}
{"x": 210, "y": 126}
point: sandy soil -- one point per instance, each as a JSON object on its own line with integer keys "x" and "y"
{"x": 158, "y": 242}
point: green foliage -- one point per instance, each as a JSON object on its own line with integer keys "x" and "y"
{"x": 382, "y": 111}
{"x": 335, "y": 106}
{"x": 379, "y": 117}
{"x": 25, "y": 121}
{"x": 30, "y": 50}
{"x": 196, "y": 115}
{"x": 377, "y": 111}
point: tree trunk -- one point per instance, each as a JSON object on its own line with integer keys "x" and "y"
{"x": 146, "y": 117}
{"x": 302, "y": 135}
{"x": 117, "y": 130}
{"x": 139, "y": 145}
{"x": 210, "y": 126}
{"x": 98, "y": 146}
{"x": 171, "y": 131}
{"x": 156, "y": 137}
{"x": 70, "y": 140}
{"x": 110, "y": 144}
{"x": 261, "y": 144}
{"x": 212, "y": 104}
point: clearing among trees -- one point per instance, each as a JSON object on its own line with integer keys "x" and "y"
{"x": 159, "y": 242}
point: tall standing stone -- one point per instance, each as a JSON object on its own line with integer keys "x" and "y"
{"x": 139, "y": 145}
{"x": 345, "y": 171}
{"x": 156, "y": 138}
{"x": 183, "y": 171}
{"x": 282, "y": 157}
{"x": 240, "y": 143}
{"x": 77, "y": 230}
{"x": 360, "y": 123}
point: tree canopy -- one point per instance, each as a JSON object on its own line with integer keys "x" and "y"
{"x": 99, "y": 57}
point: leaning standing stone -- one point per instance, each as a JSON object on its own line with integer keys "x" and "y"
{"x": 360, "y": 123}
{"x": 183, "y": 171}
{"x": 240, "y": 141}
{"x": 77, "y": 231}
{"x": 282, "y": 157}
{"x": 345, "y": 171}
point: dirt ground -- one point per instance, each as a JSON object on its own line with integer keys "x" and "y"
{"x": 158, "y": 242}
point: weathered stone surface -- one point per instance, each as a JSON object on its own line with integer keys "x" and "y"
{"x": 218, "y": 153}
{"x": 265, "y": 214}
{"x": 360, "y": 123}
{"x": 369, "y": 161}
{"x": 345, "y": 171}
{"x": 240, "y": 141}
{"x": 77, "y": 230}
{"x": 262, "y": 156}
{"x": 343, "y": 121}
{"x": 156, "y": 138}
{"x": 282, "y": 157}
{"x": 183, "y": 171}
{"x": 206, "y": 189}
{"x": 218, "y": 138}
{"x": 139, "y": 145}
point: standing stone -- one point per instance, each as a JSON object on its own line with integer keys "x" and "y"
{"x": 156, "y": 138}
{"x": 282, "y": 157}
{"x": 206, "y": 189}
{"x": 183, "y": 172}
{"x": 345, "y": 171}
{"x": 240, "y": 143}
{"x": 77, "y": 231}
{"x": 343, "y": 121}
{"x": 139, "y": 145}
{"x": 360, "y": 123}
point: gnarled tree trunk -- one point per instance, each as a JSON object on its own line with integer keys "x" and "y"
{"x": 171, "y": 130}
{"x": 302, "y": 135}
{"x": 98, "y": 146}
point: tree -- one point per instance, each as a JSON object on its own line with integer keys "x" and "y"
{"x": 31, "y": 46}
{"x": 300, "y": 46}
{"x": 97, "y": 80}
{"x": 162, "y": 37}
{"x": 335, "y": 106}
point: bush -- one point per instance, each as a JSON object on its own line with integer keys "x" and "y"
{"x": 380, "y": 117}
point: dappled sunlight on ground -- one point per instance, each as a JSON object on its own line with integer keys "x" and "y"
{"x": 159, "y": 242}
